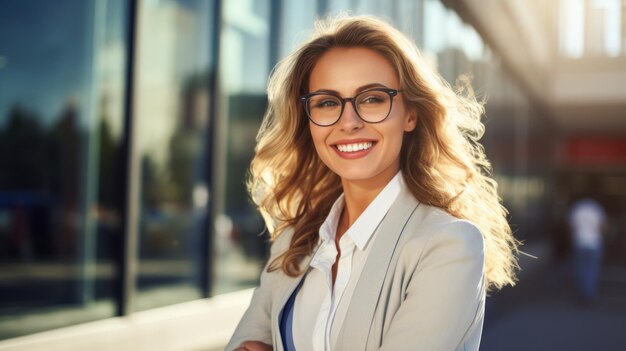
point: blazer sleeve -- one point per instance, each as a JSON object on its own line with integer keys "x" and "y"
{"x": 256, "y": 321}
{"x": 443, "y": 305}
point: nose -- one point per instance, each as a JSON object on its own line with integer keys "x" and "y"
{"x": 349, "y": 120}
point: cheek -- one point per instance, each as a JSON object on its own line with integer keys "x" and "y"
{"x": 394, "y": 137}
{"x": 319, "y": 139}
{"x": 407, "y": 116}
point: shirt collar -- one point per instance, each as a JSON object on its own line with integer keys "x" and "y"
{"x": 363, "y": 228}
{"x": 328, "y": 230}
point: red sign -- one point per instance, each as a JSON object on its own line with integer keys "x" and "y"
{"x": 605, "y": 151}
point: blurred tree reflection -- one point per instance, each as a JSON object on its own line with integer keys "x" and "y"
{"x": 24, "y": 152}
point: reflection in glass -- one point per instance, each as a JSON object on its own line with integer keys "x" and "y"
{"x": 240, "y": 249}
{"x": 172, "y": 118}
{"x": 296, "y": 24}
{"x": 60, "y": 127}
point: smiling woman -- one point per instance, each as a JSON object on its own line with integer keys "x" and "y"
{"x": 387, "y": 229}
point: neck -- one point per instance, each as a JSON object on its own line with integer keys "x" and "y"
{"x": 358, "y": 194}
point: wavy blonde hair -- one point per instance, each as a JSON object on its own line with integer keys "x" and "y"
{"x": 442, "y": 162}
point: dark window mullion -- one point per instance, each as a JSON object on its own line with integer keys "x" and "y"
{"x": 206, "y": 270}
{"x": 130, "y": 214}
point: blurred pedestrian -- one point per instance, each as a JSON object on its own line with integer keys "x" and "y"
{"x": 587, "y": 221}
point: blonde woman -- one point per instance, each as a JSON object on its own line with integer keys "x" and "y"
{"x": 387, "y": 230}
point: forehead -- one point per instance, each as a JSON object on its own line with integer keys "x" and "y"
{"x": 346, "y": 69}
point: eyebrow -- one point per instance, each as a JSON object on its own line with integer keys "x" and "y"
{"x": 358, "y": 90}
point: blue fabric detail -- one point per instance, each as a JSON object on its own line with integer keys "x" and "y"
{"x": 286, "y": 321}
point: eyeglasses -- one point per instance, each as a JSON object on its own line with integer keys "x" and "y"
{"x": 372, "y": 105}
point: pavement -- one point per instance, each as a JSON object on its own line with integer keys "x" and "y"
{"x": 543, "y": 312}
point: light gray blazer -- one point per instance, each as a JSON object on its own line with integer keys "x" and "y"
{"x": 422, "y": 287}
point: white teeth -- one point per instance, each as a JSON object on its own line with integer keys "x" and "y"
{"x": 354, "y": 147}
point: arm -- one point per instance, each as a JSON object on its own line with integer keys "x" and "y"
{"x": 444, "y": 299}
{"x": 255, "y": 325}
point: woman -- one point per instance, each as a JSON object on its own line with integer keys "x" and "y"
{"x": 387, "y": 231}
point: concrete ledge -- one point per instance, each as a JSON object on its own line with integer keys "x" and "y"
{"x": 197, "y": 325}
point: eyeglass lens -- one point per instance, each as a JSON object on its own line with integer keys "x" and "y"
{"x": 372, "y": 106}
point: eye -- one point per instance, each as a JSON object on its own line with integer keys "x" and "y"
{"x": 327, "y": 103}
{"x": 373, "y": 97}
{"x": 324, "y": 101}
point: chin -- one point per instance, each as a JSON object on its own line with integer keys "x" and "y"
{"x": 366, "y": 171}
{"x": 356, "y": 174}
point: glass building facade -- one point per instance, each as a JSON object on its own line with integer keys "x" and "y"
{"x": 126, "y": 129}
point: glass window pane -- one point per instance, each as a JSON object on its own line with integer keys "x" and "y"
{"x": 337, "y": 6}
{"x": 297, "y": 24}
{"x": 172, "y": 119}
{"x": 61, "y": 93}
{"x": 245, "y": 64}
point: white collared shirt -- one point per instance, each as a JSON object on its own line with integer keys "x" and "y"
{"x": 320, "y": 308}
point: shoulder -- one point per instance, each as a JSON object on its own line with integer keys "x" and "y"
{"x": 433, "y": 233}
{"x": 281, "y": 242}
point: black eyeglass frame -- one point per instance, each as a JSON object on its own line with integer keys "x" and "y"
{"x": 306, "y": 99}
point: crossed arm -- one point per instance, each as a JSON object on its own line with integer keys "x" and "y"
{"x": 254, "y": 330}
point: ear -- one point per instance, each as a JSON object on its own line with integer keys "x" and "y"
{"x": 411, "y": 121}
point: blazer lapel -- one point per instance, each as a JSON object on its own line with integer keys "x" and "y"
{"x": 355, "y": 329}
{"x": 283, "y": 295}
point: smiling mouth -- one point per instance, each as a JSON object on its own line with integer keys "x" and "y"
{"x": 355, "y": 146}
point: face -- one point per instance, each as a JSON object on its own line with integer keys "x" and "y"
{"x": 352, "y": 148}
